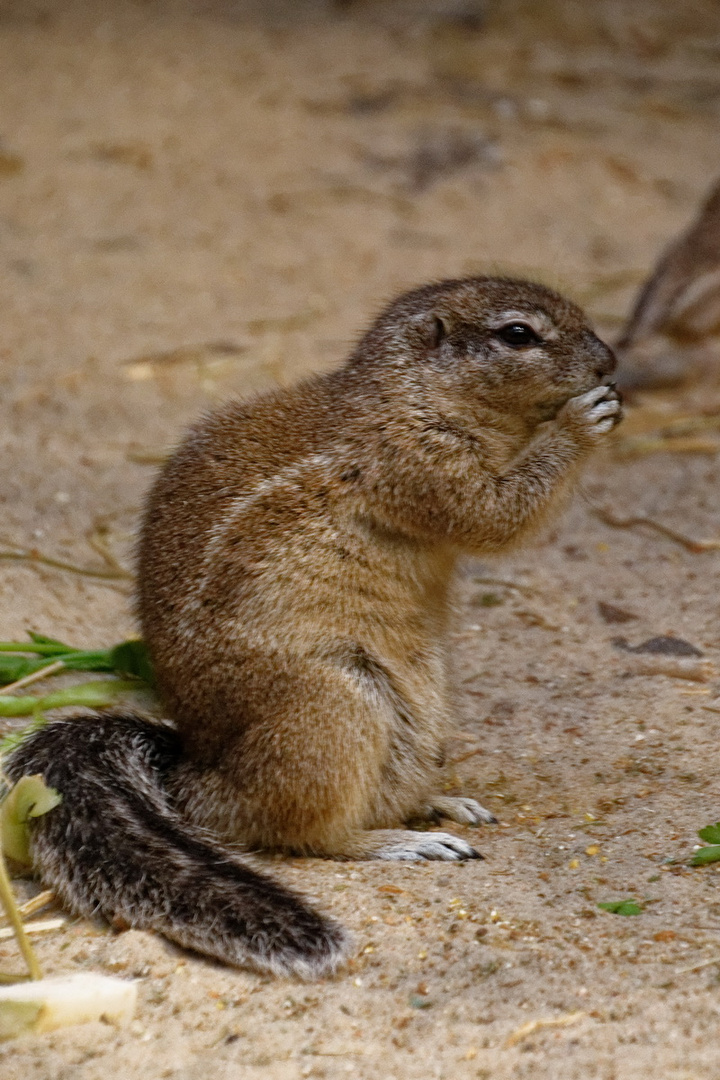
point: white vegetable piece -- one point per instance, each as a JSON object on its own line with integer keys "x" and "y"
{"x": 45, "y": 1004}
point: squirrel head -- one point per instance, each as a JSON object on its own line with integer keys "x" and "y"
{"x": 490, "y": 345}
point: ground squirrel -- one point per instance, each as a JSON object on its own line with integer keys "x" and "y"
{"x": 295, "y": 564}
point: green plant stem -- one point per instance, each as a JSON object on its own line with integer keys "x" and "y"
{"x": 34, "y": 676}
{"x": 10, "y": 907}
{"x": 36, "y": 647}
{"x": 92, "y": 695}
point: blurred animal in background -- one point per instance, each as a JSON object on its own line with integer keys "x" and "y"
{"x": 673, "y": 333}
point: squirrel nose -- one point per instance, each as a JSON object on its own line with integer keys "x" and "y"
{"x": 605, "y": 359}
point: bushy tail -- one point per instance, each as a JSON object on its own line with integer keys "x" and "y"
{"x": 116, "y": 847}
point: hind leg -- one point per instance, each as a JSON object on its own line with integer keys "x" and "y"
{"x": 298, "y": 762}
{"x": 314, "y": 769}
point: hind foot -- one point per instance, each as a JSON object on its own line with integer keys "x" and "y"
{"x": 407, "y": 846}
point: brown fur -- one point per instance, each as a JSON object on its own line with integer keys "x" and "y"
{"x": 295, "y": 568}
{"x": 297, "y": 555}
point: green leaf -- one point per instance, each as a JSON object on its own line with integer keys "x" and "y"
{"x": 621, "y": 907}
{"x": 706, "y": 855}
{"x": 91, "y": 695}
{"x": 88, "y": 660}
{"x": 19, "y": 706}
{"x": 132, "y": 658}
{"x": 711, "y": 833}
{"x": 40, "y": 639}
{"x": 127, "y": 658}
{"x": 13, "y": 667}
{"x": 75, "y": 659}
{"x": 29, "y": 798}
{"x": 35, "y": 647}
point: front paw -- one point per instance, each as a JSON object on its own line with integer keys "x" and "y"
{"x": 593, "y": 414}
{"x": 456, "y": 808}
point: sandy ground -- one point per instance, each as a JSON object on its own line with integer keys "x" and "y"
{"x": 200, "y": 199}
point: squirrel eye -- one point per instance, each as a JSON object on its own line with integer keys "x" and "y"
{"x": 518, "y": 335}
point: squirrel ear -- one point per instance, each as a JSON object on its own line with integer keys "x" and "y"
{"x": 438, "y": 328}
{"x": 433, "y": 328}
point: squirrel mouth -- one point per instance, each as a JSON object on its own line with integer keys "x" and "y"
{"x": 548, "y": 410}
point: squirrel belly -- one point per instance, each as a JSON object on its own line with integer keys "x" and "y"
{"x": 115, "y": 847}
{"x": 295, "y": 575}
